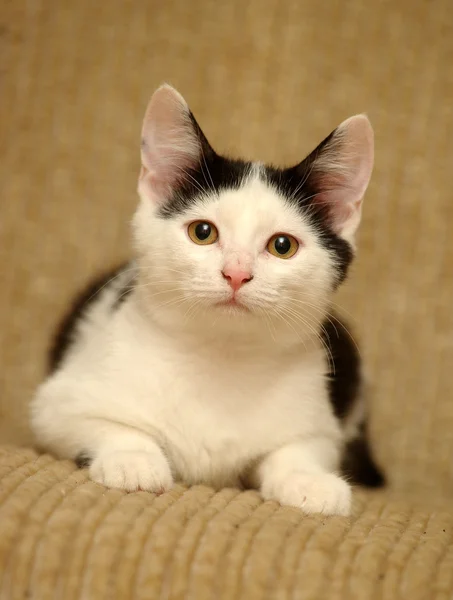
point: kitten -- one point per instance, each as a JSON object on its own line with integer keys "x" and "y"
{"x": 214, "y": 356}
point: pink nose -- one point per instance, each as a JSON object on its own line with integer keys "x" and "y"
{"x": 236, "y": 277}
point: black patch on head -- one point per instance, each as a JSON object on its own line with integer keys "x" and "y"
{"x": 83, "y": 460}
{"x": 296, "y": 187}
{"x": 344, "y": 376}
{"x": 213, "y": 174}
{"x": 358, "y": 464}
{"x": 65, "y": 332}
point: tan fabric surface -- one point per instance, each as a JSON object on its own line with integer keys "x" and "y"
{"x": 66, "y": 537}
{"x": 268, "y": 79}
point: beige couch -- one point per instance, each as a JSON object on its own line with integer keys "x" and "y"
{"x": 268, "y": 79}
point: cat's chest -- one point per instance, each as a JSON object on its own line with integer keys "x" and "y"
{"x": 215, "y": 413}
{"x": 214, "y": 439}
{"x": 220, "y": 400}
{"x": 215, "y": 418}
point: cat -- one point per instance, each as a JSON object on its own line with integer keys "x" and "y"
{"x": 214, "y": 356}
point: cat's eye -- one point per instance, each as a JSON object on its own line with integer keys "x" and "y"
{"x": 282, "y": 245}
{"x": 203, "y": 233}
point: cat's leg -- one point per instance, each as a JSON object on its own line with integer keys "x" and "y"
{"x": 302, "y": 474}
{"x": 130, "y": 460}
{"x": 121, "y": 457}
{"x": 117, "y": 455}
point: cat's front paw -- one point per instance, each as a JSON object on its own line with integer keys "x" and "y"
{"x": 313, "y": 492}
{"x": 132, "y": 470}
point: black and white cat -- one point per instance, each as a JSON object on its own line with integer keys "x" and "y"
{"x": 214, "y": 357}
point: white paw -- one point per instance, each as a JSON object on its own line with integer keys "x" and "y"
{"x": 313, "y": 493}
{"x": 132, "y": 470}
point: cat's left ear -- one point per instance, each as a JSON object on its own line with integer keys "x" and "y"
{"x": 338, "y": 173}
{"x": 172, "y": 144}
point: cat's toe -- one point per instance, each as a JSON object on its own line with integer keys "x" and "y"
{"x": 131, "y": 471}
{"x": 315, "y": 493}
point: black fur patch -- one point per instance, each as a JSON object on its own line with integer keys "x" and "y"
{"x": 83, "y": 460}
{"x": 344, "y": 375}
{"x": 344, "y": 366}
{"x": 288, "y": 183}
{"x": 302, "y": 185}
{"x": 64, "y": 334}
{"x": 213, "y": 174}
{"x": 358, "y": 464}
{"x": 211, "y": 177}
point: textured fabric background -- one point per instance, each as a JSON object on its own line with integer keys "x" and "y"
{"x": 64, "y": 537}
{"x": 267, "y": 79}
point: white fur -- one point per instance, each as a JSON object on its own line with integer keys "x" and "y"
{"x": 208, "y": 394}
{"x": 172, "y": 386}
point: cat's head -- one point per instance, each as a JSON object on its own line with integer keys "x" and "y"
{"x": 241, "y": 245}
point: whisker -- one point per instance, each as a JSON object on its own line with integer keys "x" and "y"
{"x": 206, "y": 166}
{"x": 333, "y": 320}
{"x": 192, "y": 309}
{"x": 268, "y": 321}
{"x": 285, "y": 320}
{"x": 299, "y": 318}
{"x": 97, "y": 292}
{"x": 194, "y": 181}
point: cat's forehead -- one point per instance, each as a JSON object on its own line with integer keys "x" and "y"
{"x": 254, "y": 208}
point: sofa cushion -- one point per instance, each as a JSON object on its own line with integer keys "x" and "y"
{"x": 62, "y": 534}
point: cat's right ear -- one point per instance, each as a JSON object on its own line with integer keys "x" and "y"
{"x": 172, "y": 144}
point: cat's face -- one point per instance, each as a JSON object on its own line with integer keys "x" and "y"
{"x": 240, "y": 244}
{"x": 245, "y": 250}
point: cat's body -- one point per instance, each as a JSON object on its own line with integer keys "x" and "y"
{"x": 205, "y": 360}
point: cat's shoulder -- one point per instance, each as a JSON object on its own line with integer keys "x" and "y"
{"x": 100, "y": 297}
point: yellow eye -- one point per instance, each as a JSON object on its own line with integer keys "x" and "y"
{"x": 203, "y": 233}
{"x": 282, "y": 245}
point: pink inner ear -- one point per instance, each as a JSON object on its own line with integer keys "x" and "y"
{"x": 340, "y": 199}
{"x": 342, "y": 172}
{"x": 170, "y": 144}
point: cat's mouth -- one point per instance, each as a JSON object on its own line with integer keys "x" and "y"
{"x": 233, "y": 304}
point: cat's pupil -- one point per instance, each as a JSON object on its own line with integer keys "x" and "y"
{"x": 282, "y": 244}
{"x": 203, "y": 231}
